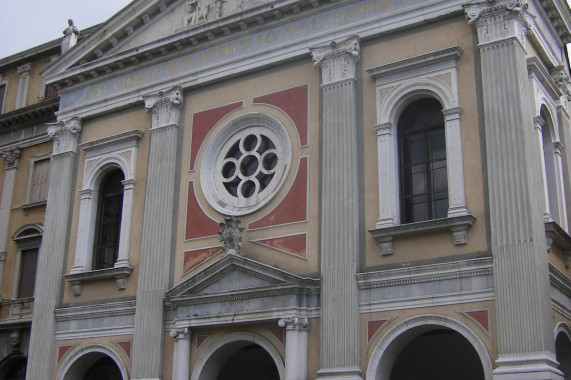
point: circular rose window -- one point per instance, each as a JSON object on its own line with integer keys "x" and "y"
{"x": 245, "y": 164}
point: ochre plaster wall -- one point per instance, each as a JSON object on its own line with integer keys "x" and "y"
{"x": 114, "y": 123}
{"x": 405, "y": 45}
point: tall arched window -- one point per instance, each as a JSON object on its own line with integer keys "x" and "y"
{"x": 422, "y": 162}
{"x": 108, "y": 222}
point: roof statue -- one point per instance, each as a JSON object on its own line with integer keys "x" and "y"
{"x": 70, "y": 37}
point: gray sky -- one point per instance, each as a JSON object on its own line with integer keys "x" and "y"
{"x": 28, "y": 23}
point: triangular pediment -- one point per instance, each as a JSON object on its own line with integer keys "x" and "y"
{"x": 147, "y": 29}
{"x": 236, "y": 274}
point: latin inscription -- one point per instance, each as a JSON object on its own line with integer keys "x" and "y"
{"x": 321, "y": 23}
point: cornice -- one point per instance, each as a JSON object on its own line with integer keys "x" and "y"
{"x": 95, "y": 311}
{"x": 89, "y": 60}
{"x": 42, "y": 111}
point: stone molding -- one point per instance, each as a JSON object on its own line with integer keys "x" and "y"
{"x": 95, "y": 311}
{"x": 337, "y": 60}
{"x": 164, "y": 107}
{"x": 497, "y": 20}
{"x": 562, "y": 80}
{"x": 65, "y": 135}
{"x": 11, "y": 157}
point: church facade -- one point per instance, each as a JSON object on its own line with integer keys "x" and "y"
{"x": 296, "y": 189}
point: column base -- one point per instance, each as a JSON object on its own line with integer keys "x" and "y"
{"x": 541, "y": 367}
{"x": 345, "y": 373}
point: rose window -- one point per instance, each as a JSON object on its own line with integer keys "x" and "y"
{"x": 248, "y": 167}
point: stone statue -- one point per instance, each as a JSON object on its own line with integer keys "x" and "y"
{"x": 197, "y": 11}
{"x": 231, "y": 235}
{"x": 218, "y": 8}
{"x": 70, "y": 37}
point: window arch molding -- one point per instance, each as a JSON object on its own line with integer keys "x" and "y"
{"x": 79, "y": 361}
{"x": 102, "y": 157}
{"x": 551, "y": 152}
{"x": 398, "y": 84}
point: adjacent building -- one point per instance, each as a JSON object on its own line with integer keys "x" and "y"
{"x": 291, "y": 189}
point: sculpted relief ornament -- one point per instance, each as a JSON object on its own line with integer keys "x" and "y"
{"x": 201, "y": 11}
{"x": 496, "y": 20}
{"x": 231, "y": 235}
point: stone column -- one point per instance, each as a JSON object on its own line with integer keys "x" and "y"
{"x": 521, "y": 278}
{"x": 123, "y": 253}
{"x": 12, "y": 157}
{"x": 181, "y": 355}
{"x": 296, "y": 339}
{"x": 157, "y": 235}
{"x": 51, "y": 259}
{"x": 340, "y": 235}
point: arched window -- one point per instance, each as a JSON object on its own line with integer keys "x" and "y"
{"x": 422, "y": 162}
{"x": 108, "y": 222}
{"x": 28, "y": 239}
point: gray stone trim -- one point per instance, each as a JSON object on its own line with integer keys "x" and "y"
{"x": 420, "y": 61}
{"x": 558, "y": 236}
{"x": 107, "y": 310}
{"x": 134, "y": 135}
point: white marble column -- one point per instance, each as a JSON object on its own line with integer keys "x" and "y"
{"x": 12, "y": 158}
{"x": 340, "y": 234}
{"x": 521, "y": 278}
{"x": 157, "y": 236}
{"x": 296, "y": 341}
{"x": 123, "y": 252}
{"x": 181, "y": 355}
{"x": 51, "y": 259}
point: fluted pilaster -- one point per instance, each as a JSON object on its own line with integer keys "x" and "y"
{"x": 340, "y": 211}
{"x": 53, "y": 250}
{"x": 523, "y": 308}
{"x": 157, "y": 243}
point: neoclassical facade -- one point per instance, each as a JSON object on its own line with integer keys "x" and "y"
{"x": 301, "y": 189}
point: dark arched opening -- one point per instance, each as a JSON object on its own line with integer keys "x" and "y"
{"x": 563, "y": 354}
{"x": 251, "y": 362}
{"x": 441, "y": 354}
{"x": 14, "y": 369}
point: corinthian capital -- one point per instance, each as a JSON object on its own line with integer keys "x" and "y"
{"x": 497, "y": 20}
{"x": 65, "y": 135}
{"x": 337, "y": 60}
{"x": 562, "y": 80}
{"x": 165, "y": 107}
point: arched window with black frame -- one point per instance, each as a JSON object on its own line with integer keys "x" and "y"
{"x": 108, "y": 222}
{"x": 422, "y": 162}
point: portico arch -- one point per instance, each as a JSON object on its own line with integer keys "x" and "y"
{"x": 394, "y": 341}
{"x": 79, "y": 364}
{"x": 215, "y": 357}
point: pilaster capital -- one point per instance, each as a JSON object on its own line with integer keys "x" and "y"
{"x": 497, "y": 20}
{"x": 65, "y": 135}
{"x": 337, "y": 59}
{"x": 180, "y": 333}
{"x": 24, "y": 69}
{"x": 294, "y": 323}
{"x": 165, "y": 107}
{"x": 11, "y": 156}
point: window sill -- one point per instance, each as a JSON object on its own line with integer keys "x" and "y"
{"x": 120, "y": 274}
{"x": 20, "y": 308}
{"x": 557, "y": 236}
{"x": 458, "y": 225}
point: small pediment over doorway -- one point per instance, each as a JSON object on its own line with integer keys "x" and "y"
{"x": 236, "y": 287}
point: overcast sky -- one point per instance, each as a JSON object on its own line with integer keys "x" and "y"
{"x": 28, "y": 23}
